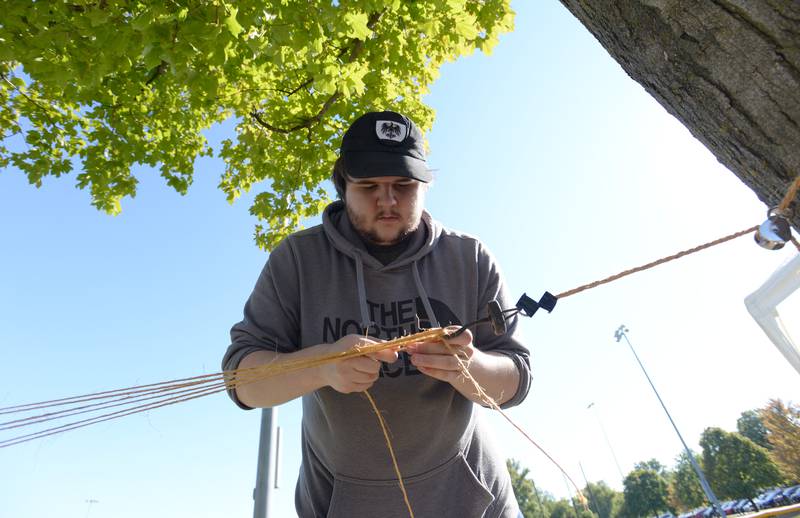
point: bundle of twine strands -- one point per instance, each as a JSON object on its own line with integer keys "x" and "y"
{"x": 143, "y": 398}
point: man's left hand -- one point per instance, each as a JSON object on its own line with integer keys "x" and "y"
{"x": 436, "y": 360}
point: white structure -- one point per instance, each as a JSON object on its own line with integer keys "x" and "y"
{"x": 762, "y": 303}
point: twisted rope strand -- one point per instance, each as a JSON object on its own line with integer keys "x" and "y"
{"x": 791, "y": 192}
{"x": 655, "y": 263}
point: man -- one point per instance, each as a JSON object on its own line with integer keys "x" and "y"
{"x": 377, "y": 268}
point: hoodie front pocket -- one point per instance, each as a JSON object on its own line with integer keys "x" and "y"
{"x": 450, "y": 490}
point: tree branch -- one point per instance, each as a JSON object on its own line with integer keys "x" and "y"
{"x": 31, "y": 100}
{"x": 355, "y": 51}
{"x": 300, "y": 87}
{"x": 157, "y": 71}
{"x": 305, "y": 123}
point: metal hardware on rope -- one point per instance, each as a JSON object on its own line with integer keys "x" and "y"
{"x": 498, "y": 316}
{"x": 527, "y": 306}
{"x": 775, "y": 231}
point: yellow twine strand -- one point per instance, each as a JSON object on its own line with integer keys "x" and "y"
{"x": 391, "y": 452}
{"x": 99, "y": 419}
{"x": 94, "y": 407}
{"x": 153, "y": 387}
{"x": 489, "y": 401}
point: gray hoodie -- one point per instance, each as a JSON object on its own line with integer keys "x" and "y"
{"x": 319, "y": 285}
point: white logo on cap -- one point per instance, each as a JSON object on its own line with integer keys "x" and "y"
{"x": 391, "y": 130}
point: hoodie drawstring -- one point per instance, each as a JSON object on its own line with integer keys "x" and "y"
{"x": 423, "y": 295}
{"x": 366, "y": 323}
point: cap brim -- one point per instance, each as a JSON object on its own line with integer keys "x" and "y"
{"x": 369, "y": 164}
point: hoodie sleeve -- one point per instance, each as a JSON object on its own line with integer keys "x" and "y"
{"x": 271, "y": 314}
{"x": 491, "y": 286}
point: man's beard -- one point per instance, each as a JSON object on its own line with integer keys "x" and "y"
{"x": 361, "y": 226}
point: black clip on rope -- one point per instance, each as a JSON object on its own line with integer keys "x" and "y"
{"x": 497, "y": 316}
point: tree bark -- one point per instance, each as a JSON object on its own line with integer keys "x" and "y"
{"x": 729, "y": 70}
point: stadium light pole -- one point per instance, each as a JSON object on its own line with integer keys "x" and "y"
{"x": 619, "y": 335}
{"x": 90, "y": 502}
{"x": 592, "y": 499}
{"x": 603, "y": 429}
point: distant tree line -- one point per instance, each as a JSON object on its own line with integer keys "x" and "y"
{"x": 764, "y": 452}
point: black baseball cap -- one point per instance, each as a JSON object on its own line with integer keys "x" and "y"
{"x": 384, "y": 144}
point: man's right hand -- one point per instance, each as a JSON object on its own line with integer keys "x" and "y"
{"x": 354, "y": 374}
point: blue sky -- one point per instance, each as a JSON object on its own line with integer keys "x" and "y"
{"x": 564, "y": 166}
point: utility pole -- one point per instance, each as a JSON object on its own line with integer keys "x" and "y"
{"x": 538, "y": 500}
{"x": 603, "y": 429}
{"x": 89, "y": 503}
{"x": 268, "y": 463}
{"x": 619, "y": 335}
{"x": 591, "y": 495}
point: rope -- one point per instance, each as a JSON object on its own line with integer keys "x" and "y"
{"x": 791, "y": 192}
{"x": 783, "y": 206}
{"x": 655, "y": 263}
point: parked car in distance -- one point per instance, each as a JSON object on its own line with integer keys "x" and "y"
{"x": 744, "y": 506}
{"x": 767, "y": 499}
{"x": 729, "y": 506}
{"x": 791, "y": 494}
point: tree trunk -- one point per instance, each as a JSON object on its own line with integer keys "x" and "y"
{"x": 729, "y": 70}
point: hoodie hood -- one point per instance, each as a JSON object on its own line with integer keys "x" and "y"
{"x": 344, "y": 237}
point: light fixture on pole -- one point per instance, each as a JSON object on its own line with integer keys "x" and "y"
{"x": 619, "y": 335}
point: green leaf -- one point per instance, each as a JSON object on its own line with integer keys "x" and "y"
{"x": 231, "y": 23}
{"x": 97, "y": 17}
{"x": 466, "y": 26}
{"x": 18, "y": 82}
{"x": 357, "y": 23}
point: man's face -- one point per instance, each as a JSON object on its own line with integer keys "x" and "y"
{"x": 385, "y": 209}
